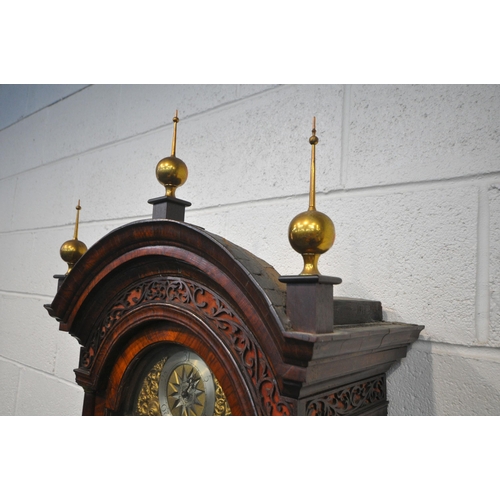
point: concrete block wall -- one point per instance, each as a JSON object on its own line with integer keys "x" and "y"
{"x": 410, "y": 175}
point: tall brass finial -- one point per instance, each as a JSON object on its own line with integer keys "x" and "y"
{"x": 311, "y": 233}
{"x": 72, "y": 250}
{"x": 172, "y": 172}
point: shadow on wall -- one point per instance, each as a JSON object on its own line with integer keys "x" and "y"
{"x": 410, "y": 388}
{"x": 465, "y": 382}
{"x": 445, "y": 380}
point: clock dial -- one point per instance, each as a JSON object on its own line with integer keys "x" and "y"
{"x": 186, "y": 386}
{"x": 180, "y": 384}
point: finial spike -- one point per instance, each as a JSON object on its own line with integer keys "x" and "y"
{"x": 174, "y": 136}
{"x": 313, "y": 140}
{"x": 78, "y": 208}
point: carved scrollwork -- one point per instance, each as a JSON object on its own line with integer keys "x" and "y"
{"x": 348, "y": 399}
{"x": 214, "y": 311}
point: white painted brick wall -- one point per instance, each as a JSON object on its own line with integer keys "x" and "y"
{"x": 409, "y": 174}
{"x": 408, "y": 133}
{"x": 494, "y": 260}
{"x": 20, "y": 101}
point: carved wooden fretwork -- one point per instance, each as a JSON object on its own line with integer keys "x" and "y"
{"x": 347, "y": 400}
{"x": 212, "y": 309}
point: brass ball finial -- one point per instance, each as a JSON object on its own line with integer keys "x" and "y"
{"x": 172, "y": 172}
{"x": 311, "y": 233}
{"x": 73, "y": 249}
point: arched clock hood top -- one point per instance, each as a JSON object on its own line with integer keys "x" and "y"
{"x": 122, "y": 247}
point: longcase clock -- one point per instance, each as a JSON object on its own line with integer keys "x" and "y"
{"x": 173, "y": 320}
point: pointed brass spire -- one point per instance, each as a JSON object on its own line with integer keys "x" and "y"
{"x": 311, "y": 233}
{"x": 172, "y": 172}
{"x": 313, "y": 140}
{"x": 72, "y": 250}
{"x": 77, "y": 222}
{"x": 175, "y": 119}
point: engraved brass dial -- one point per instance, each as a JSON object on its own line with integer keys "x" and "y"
{"x": 180, "y": 384}
{"x": 186, "y": 391}
{"x": 186, "y": 386}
